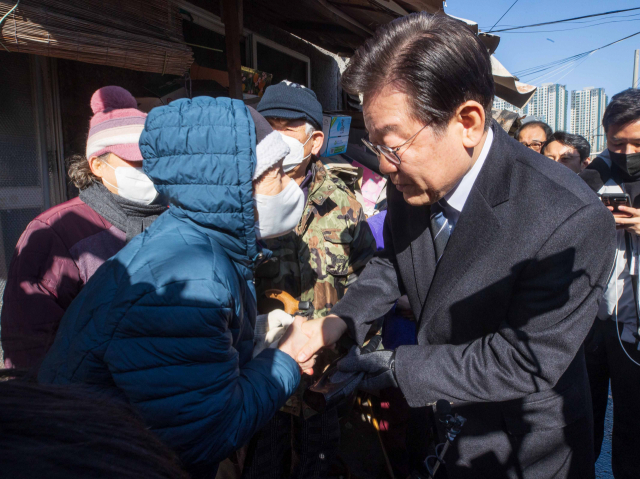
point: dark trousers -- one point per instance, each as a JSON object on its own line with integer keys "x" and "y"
{"x": 314, "y": 443}
{"x": 606, "y": 361}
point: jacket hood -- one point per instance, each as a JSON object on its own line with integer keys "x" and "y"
{"x": 201, "y": 155}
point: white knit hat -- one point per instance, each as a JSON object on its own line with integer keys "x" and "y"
{"x": 270, "y": 147}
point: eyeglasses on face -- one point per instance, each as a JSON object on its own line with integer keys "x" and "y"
{"x": 390, "y": 153}
{"x": 534, "y": 145}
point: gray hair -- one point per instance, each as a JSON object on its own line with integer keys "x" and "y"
{"x": 309, "y": 128}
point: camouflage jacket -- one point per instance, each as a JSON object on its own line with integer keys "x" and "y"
{"x": 324, "y": 254}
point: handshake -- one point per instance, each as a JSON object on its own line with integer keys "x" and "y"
{"x": 303, "y": 339}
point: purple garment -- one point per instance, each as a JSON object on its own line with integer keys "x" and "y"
{"x": 304, "y": 186}
{"x": 396, "y": 330}
{"x": 55, "y": 256}
{"x": 376, "y": 223}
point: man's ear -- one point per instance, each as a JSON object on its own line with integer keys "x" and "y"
{"x": 317, "y": 137}
{"x": 471, "y": 118}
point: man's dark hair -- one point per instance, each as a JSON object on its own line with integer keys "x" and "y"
{"x": 540, "y": 124}
{"x": 579, "y": 143}
{"x": 623, "y": 108}
{"x": 68, "y": 432}
{"x": 435, "y": 59}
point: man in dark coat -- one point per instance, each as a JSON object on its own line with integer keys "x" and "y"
{"x": 503, "y": 254}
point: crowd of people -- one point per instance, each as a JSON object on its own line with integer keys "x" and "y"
{"x": 139, "y": 329}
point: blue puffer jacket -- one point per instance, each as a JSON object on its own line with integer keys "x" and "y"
{"x": 167, "y": 323}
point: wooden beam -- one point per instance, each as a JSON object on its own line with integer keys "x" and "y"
{"x": 232, "y": 18}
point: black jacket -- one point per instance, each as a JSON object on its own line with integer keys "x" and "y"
{"x": 502, "y": 318}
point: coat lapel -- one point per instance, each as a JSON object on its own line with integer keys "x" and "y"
{"x": 477, "y": 226}
{"x": 423, "y": 255}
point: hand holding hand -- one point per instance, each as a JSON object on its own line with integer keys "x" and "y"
{"x": 293, "y": 341}
{"x": 629, "y": 219}
{"x": 321, "y": 332}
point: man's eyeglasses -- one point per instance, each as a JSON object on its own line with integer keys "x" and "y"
{"x": 534, "y": 145}
{"x": 390, "y": 153}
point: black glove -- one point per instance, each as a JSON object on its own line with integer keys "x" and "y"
{"x": 378, "y": 366}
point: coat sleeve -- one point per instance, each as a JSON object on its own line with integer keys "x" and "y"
{"x": 363, "y": 246}
{"x": 43, "y": 280}
{"x": 378, "y": 288}
{"x": 551, "y": 311}
{"x": 173, "y": 356}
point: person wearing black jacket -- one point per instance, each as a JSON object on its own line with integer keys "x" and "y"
{"x": 503, "y": 254}
{"x": 612, "y": 345}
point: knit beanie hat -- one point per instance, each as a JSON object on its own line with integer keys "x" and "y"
{"x": 270, "y": 147}
{"x": 116, "y": 124}
{"x": 291, "y": 101}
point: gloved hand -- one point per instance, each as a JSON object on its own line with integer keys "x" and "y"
{"x": 269, "y": 330}
{"x": 378, "y": 366}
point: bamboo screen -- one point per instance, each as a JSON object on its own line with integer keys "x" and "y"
{"x": 143, "y": 35}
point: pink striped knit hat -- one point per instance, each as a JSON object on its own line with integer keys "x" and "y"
{"x": 116, "y": 124}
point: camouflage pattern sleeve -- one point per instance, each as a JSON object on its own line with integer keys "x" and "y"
{"x": 338, "y": 242}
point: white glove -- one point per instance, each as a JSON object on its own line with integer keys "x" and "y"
{"x": 269, "y": 329}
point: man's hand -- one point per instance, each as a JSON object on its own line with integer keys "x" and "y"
{"x": 629, "y": 220}
{"x": 321, "y": 332}
{"x": 378, "y": 366}
{"x": 293, "y": 341}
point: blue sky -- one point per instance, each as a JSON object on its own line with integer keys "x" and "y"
{"x": 610, "y": 68}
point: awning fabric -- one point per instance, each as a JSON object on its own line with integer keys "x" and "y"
{"x": 508, "y": 87}
{"x": 144, "y": 35}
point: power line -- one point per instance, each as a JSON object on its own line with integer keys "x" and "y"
{"x": 494, "y": 25}
{"x": 561, "y": 21}
{"x": 576, "y": 28}
{"x": 573, "y": 58}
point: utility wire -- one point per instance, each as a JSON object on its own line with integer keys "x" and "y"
{"x": 494, "y": 25}
{"x": 560, "y": 21}
{"x": 576, "y": 28}
{"x": 573, "y": 58}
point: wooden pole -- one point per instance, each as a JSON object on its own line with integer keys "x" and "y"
{"x": 232, "y": 18}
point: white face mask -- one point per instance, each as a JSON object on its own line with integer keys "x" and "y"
{"x": 133, "y": 184}
{"x": 279, "y": 214}
{"x": 296, "y": 152}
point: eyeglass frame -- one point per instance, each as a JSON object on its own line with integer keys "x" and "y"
{"x": 533, "y": 143}
{"x": 390, "y": 153}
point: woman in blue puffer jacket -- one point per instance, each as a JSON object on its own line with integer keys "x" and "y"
{"x": 167, "y": 323}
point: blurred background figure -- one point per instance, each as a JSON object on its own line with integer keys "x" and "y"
{"x": 533, "y": 134}
{"x": 567, "y": 149}
{"x": 613, "y": 357}
{"x": 69, "y": 433}
{"x": 62, "y": 247}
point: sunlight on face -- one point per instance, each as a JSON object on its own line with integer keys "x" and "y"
{"x": 624, "y": 138}
{"x": 565, "y": 155}
{"x": 431, "y": 164}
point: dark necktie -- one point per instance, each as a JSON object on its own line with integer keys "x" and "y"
{"x": 440, "y": 230}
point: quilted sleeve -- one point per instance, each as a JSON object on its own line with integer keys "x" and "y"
{"x": 42, "y": 282}
{"x": 173, "y": 355}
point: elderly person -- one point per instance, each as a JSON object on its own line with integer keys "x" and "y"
{"x": 62, "y": 247}
{"x": 167, "y": 323}
{"x": 316, "y": 262}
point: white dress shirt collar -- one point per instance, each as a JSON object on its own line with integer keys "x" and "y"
{"x": 454, "y": 201}
{"x": 457, "y": 197}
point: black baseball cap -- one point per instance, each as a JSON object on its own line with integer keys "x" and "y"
{"x": 291, "y": 101}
